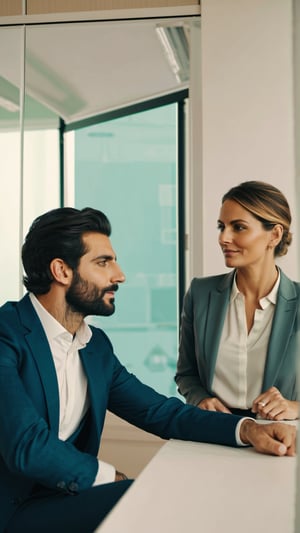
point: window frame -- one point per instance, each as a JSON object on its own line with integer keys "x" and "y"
{"x": 178, "y": 97}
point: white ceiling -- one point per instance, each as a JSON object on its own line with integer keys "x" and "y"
{"x": 78, "y": 70}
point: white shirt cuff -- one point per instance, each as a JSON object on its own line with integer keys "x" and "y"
{"x": 237, "y": 431}
{"x": 106, "y": 473}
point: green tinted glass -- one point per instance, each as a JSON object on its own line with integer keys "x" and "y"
{"x": 127, "y": 168}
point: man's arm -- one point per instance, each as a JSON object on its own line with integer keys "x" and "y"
{"x": 274, "y": 439}
{"x": 28, "y": 446}
{"x": 168, "y": 418}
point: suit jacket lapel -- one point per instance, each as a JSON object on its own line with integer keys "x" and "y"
{"x": 39, "y": 347}
{"x": 97, "y": 386}
{"x": 283, "y": 322}
{"x": 217, "y": 306}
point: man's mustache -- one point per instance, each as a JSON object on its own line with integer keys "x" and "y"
{"x": 112, "y": 288}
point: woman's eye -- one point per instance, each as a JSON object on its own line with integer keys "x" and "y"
{"x": 239, "y": 227}
{"x": 220, "y": 227}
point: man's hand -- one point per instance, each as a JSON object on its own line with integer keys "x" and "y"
{"x": 213, "y": 404}
{"x": 274, "y": 439}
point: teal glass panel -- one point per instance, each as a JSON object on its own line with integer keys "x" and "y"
{"x": 127, "y": 168}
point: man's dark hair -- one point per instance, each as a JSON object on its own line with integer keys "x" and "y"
{"x": 58, "y": 233}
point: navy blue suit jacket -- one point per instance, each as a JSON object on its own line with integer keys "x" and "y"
{"x": 31, "y": 454}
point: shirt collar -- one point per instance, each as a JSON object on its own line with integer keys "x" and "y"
{"x": 264, "y": 302}
{"x": 54, "y": 329}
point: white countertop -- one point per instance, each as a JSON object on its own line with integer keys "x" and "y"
{"x": 197, "y": 487}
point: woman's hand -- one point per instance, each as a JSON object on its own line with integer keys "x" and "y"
{"x": 271, "y": 405}
{"x": 213, "y": 404}
{"x": 120, "y": 476}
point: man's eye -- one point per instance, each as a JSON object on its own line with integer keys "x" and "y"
{"x": 102, "y": 263}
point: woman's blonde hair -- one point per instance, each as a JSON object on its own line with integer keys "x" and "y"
{"x": 266, "y": 203}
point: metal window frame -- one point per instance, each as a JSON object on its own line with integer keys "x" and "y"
{"x": 179, "y": 98}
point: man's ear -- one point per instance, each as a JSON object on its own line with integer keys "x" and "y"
{"x": 60, "y": 271}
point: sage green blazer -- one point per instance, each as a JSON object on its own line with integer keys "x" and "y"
{"x": 202, "y": 319}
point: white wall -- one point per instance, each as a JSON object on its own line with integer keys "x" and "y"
{"x": 247, "y": 108}
{"x": 296, "y": 26}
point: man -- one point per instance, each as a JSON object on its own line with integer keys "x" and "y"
{"x": 58, "y": 376}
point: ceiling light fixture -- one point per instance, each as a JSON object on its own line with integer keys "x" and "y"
{"x": 174, "y": 40}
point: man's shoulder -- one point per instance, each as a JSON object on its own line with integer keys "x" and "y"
{"x": 17, "y": 313}
{"x": 10, "y": 324}
{"x": 8, "y": 308}
{"x": 99, "y": 335}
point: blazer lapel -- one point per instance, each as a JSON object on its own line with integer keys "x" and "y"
{"x": 283, "y": 323}
{"x": 217, "y": 306}
{"x": 97, "y": 386}
{"x": 39, "y": 347}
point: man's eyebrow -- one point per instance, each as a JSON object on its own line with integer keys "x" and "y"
{"x": 105, "y": 258}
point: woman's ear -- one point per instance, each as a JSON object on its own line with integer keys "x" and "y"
{"x": 276, "y": 235}
{"x": 60, "y": 271}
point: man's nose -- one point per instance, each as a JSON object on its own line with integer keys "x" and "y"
{"x": 118, "y": 275}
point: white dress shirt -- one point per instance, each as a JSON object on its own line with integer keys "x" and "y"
{"x": 241, "y": 357}
{"x": 72, "y": 382}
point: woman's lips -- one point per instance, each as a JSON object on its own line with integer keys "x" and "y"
{"x": 229, "y": 253}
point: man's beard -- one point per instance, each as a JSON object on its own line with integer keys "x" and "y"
{"x": 87, "y": 299}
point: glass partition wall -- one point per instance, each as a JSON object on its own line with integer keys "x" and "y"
{"x": 41, "y": 159}
{"x": 29, "y": 156}
{"x": 11, "y": 39}
{"x": 66, "y": 146}
{"x": 128, "y": 167}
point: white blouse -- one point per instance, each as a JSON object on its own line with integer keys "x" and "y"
{"x": 241, "y": 357}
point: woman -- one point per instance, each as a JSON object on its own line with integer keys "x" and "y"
{"x": 240, "y": 331}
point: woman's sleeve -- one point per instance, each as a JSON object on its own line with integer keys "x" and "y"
{"x": 190, "y": 383}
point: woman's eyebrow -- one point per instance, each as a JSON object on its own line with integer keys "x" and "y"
{"x": 234, "y": 221}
